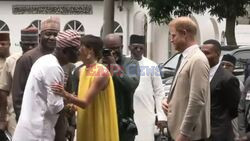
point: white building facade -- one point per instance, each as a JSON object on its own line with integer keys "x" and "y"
{"x": 87, "y": 18}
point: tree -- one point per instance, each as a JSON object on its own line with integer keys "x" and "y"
{"x": 162, "y": 10}
{"x": 108, "y": 17}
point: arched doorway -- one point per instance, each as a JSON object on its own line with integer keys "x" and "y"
{"x": 216, "y": 28}
{"x": 198, "y": 35}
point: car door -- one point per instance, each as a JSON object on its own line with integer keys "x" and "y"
{"x": 241, "y": 56}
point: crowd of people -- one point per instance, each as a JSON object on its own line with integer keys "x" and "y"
{"x": 65, "y": 86}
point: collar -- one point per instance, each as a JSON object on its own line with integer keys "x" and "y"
{"x": 188, "y": 50}
{"x": 213, "y": 71}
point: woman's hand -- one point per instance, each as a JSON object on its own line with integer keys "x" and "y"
{"x": 59, "y": 90}
{"x": 71, "y": 108}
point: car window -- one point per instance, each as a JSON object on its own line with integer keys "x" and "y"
{"x": 172, "y": 62}
{"x": 243, "y": 54}
{"x": 223, "y": 52}
{"x": 241, "y": 57}
{"x": 168, "y": 68}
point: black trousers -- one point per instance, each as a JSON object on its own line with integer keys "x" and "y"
{"x": 124, "y": 136}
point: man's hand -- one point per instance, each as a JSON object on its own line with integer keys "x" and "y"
{"x": 244, "y": 138}
{"x": 165, "y": 105}
{"x": 181, "y": 137}
{"x": 161, "y": 124}
{"x": 70, "y": 109}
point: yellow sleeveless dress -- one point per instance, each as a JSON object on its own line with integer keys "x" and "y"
{"x": 98, "y": 122}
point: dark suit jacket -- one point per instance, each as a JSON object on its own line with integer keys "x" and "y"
{"x": 21, "y": 74}
{"x": 125, "y": 81}
{"x": 225, "y": 96}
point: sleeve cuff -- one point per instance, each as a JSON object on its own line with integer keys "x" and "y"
{"x": 186, "y": 129}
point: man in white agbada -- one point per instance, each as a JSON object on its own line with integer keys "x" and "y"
{"x": 40, "y": 107}
{"x": 148, "y": 94}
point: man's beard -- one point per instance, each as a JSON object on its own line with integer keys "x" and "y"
{"x": 48, "y": 46}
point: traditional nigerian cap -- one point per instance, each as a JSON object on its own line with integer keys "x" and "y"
{"x": 137, "y": 39}
{"x": 68, "y": 38}
{"x": 51, "y": 23}
{"x": 229, "y": 58}
{"x": 4, "y": 36}
{"x": 29, "y": 34}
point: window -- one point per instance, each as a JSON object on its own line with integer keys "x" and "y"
{"x": 3, "y": 26}
{"x": 75, "y": 25}
{"x": 117, "y": 29}
{"x": 36, "y": 24}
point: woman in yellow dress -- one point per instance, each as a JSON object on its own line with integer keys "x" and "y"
{"x": 96, "y": 115}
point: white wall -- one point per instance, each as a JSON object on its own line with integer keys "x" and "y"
{"x": 92, "y": 23}
{"x": 242, "y": 33}
{"x": 160, "y": 46}
{"x": 157, "y": 36}
{"x": 206, "y": 28}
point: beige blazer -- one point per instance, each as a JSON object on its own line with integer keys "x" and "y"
{"x": 189, "y": 106}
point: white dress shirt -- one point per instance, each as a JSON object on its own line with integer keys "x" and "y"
{"x": 213, "y": 71}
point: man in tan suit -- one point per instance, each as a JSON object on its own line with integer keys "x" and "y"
{"x": 188, "y": 104}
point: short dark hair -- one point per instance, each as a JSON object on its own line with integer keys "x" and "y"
{"x": 215, "y": 43}
{"x": 94, "y": 42}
